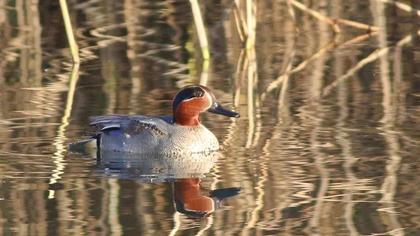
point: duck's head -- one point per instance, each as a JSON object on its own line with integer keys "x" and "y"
{"x": 193, "y": 100}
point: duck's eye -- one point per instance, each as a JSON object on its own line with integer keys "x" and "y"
{"x": 188, "y": 93}
{"x": 197, "y": 93}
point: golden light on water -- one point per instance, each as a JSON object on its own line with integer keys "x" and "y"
{"x": 327, "y": 142}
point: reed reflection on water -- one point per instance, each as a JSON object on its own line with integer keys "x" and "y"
{"x": 327, "y": 142}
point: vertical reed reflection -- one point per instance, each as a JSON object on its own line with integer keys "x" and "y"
{"x": 316, "y": 226}
{"x": 344, "y": 140}
{"x": 58, "y": 156}
{"x": 114, "y": 213}
{"x": 390, "y": 182}
{"x": 327, "y": 142}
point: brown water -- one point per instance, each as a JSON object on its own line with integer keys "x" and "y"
{"x": 327, "y": 143}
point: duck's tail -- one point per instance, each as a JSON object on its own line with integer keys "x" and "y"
{"x": 84, "y": 146}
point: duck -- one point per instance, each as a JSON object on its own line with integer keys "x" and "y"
{"x": 181, "y": 132}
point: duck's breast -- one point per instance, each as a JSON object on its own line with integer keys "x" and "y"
{"x": 190, "y": 139}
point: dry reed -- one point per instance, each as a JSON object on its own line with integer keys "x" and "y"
{"x": 74, "y": 49}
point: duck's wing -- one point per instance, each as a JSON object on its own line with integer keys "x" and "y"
{"x": 100, "y": 122}
{"x": 133, "y": 125}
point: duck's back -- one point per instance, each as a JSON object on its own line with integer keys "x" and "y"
{"x": 142, "y": 134}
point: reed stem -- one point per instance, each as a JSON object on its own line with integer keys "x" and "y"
{"x": 333, "y": 22}
{"x": 199, "y": 24}
{"x": 74, "y": 49}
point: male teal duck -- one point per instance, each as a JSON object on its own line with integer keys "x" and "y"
{"x": 180, "y": 132}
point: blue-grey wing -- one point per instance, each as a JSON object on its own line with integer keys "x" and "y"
{"x": 132, "y": 125}
{"x": 101, "y": 122}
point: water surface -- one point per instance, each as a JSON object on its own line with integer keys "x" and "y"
{"x": 327, "y": 142}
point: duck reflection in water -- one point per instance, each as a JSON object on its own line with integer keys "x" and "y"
{"x": 190, "y": 201}
{"x": 155, "y": 167}
{"x": 184, "y": 173}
